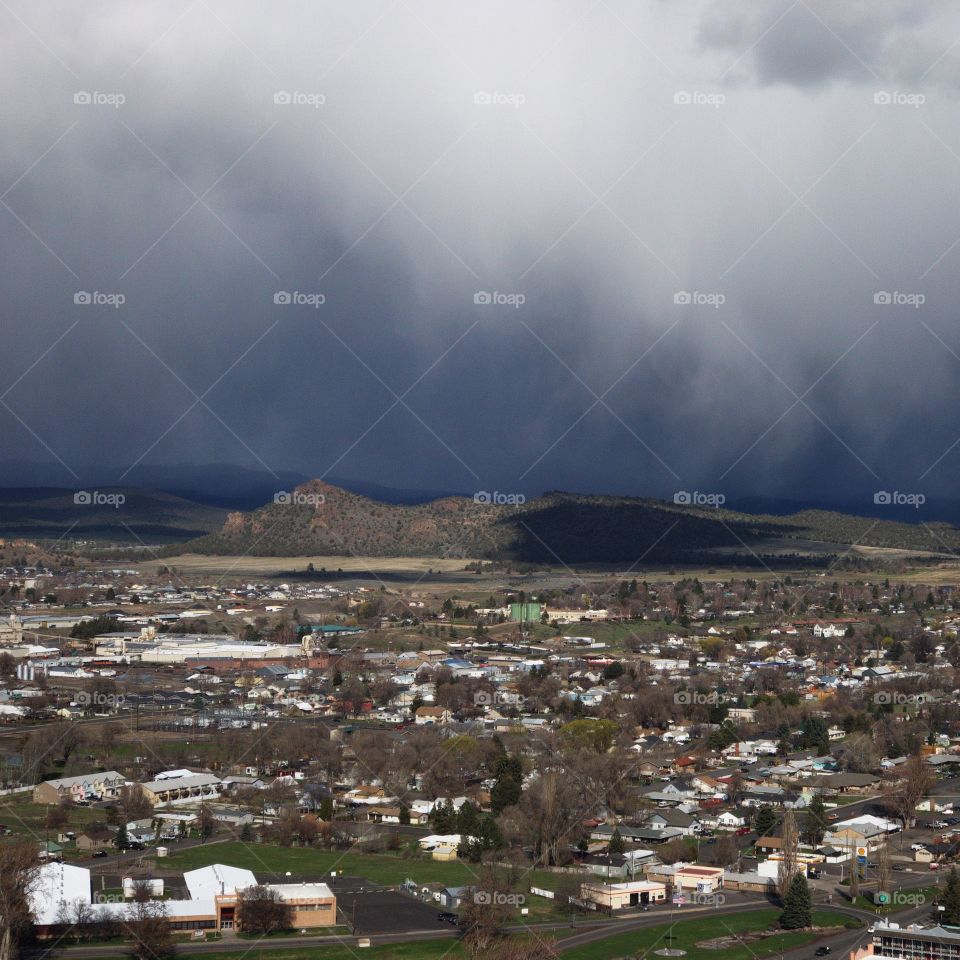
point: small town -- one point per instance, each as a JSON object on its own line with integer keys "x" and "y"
{"x": 523, "y": 756}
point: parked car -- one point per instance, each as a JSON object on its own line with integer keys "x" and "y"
{"x": 101, "y": 853}
{"x": 743, "y": 831}
{"x": 822, "y": 951}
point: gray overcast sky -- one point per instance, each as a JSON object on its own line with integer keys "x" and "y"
{"x": 584, "y": 166}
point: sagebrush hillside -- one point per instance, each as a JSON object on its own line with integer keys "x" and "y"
{"x": 556, "y": 528}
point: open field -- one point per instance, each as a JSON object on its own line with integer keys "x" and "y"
{"x": 687, "y": 933}
{"x": 268, "y": 566}
{"x": 449, "y": 572}
{"x": 266, "y": 859}
{"x": 417, "y": 950}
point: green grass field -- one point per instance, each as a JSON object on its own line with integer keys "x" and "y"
{"x": 269, "y": 860}
{"x": 418, "y": 950}
{"x": 687, "y": 933}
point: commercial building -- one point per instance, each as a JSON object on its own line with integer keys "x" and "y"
{"x": 188, "y": 786}
{"x": 620, "y": 896}
{"x": 890, "y": 941}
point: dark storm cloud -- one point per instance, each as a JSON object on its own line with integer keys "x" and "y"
{"x": 599, "y": 161}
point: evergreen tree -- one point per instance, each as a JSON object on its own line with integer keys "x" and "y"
{"x": 443, "y": 818}
{"x": 404, "y": 813}
{"x": 616, "y": 845}
{"x": 797, "y": 908}
{"x": 121, "y": 840}
{"x": 508, "y": 772}
{"x": 326, "y": 808}
{"x": 468, "y": 819}
{"x": 950, "y": 900}
{"x": 766, "y": 821}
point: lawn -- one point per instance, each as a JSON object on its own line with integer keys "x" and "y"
{"x": 418, "y": 950}
{"x": 687, "y": 933}
{"x": 271, "y": 861}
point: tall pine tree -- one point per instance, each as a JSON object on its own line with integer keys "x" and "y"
{"x": 950, "y": 901}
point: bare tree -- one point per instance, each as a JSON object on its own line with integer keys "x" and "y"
{"x": 261, "y": 910}
{"x": 915, "y": 781}
{"x": 134, "y": 803}
{"x": 148, "y": 927}
{"x": 788, "y": 853}
{"x": 884, "y": 869}
{"x": 19, "y": 873}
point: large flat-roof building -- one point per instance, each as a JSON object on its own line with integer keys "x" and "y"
{"x": 214, "y": 891}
